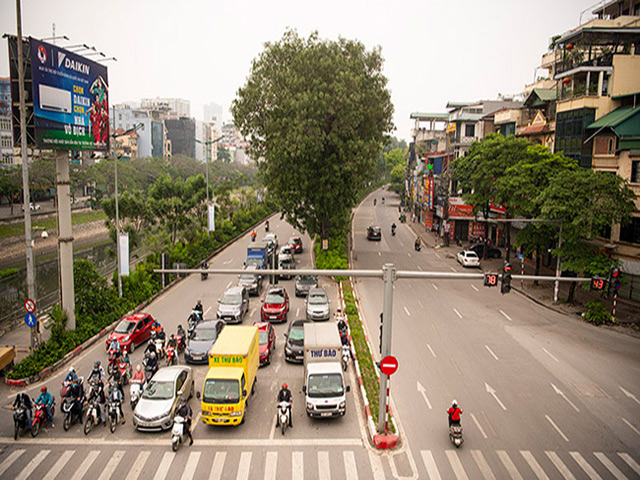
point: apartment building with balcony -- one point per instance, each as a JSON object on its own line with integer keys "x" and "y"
{"x": 6, "y": 130}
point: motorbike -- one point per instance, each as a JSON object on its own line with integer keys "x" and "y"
{"x": 181, "y": 343}
{"x": 125, "y": 371}
{"x": 159, "y": 347}
{"x": 149, "y": 371}
{"x": 19, "y": 420}
{"x": 178, "y": 434}
{"x": 383, "y": 200}
{"x": 417, "y": 246}
{"x": 455, "y": 434}
{"x": 113, "y": 414}
{"x": 172, "y": 356}
{"x": 114, "y": 357}
{"x": 204, "y": 275}
{"x": 374, "y": 202}
{"x": 135, "y": 392}
{"x": 283, "y": 416}
{"x": 345, "y": 357}
{"x": 266, "y": 226}
{"x": 393, "y": 232}
{"x": 40, "y": 417}
{"x": 66, "y": 385}
{"x": 93, "y": 415}
{"x": 72, "y": 412}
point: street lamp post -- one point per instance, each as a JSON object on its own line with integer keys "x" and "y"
{"x": 208, "y": 142}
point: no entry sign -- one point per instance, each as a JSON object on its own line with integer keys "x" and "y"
{"x": 389, "y": 365}
{"x": 29, "y": 305}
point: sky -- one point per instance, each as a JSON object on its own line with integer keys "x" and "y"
{"x": 435, "y": 51}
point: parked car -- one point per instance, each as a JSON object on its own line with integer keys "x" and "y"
{"x": 492, "y": 252}
{"x": 275, "y": 305}
{"x": 294, "y": 345}
{"x": 201, "y": 340}
{"x": 317, "y": 304}
{"x": 251, "y": 281}
{"x": 287, "y": 263}
{"x": 286, "y": 252}
{"x": 374, "y": 233}
{"x": 468, "y": 258}
{"x": 156, "y": 407}
{"x": 267, "y": 341}
{"x": 233, "y": 305}
{"x": 296, "y": 243}
{"x": 132, "y": 331}
{"x": 304, "y": 283}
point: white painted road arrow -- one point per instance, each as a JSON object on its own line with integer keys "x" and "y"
{"x": 559, "y": 392}
{"x": 493, "y": 393}
{"x": 422, "y": 390}
{"x": 630, "y": 395}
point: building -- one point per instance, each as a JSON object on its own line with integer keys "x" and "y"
{"x": 125, "y": 145}
{"x": 6, "y": 131}
{"x": 182, "y": 134}
{"x": 171, "y": 108}
{"x": 213, "y": 114}
{"x": 538, "y": 117}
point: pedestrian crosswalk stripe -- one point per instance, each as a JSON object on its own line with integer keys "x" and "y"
{"x": 508, "y": 464}
{"x": 138, "y": 465}
{"x": 218, "y": 465}
{"x": 31, "y": 466}
{"x": 483, "y": 465}
{"x": 297, "y": 465}
{"x": 112, "y": 465}
{"x": 245, "y": 466}
{"x": 10, "y": 459}
{"x": 456, "y": 464}
{"x": 376, "y": 466}
{"x": 562, "y": 468}
{"x": 350, "y": 465}
{"x": 630, "y": 461}
{"x": 271, "y": 465}
{"x": 192, "y": 464}
{"x": 59, "y": 465}
{"x": 593, "y": 475}
{"x": 86, "y": 465}
{"x": 324, "y": 470}
{"x": 610, "y": 466}
{"x": 163, "y": 468}
{"x": 430, "y": 464}
{"x": 535, "y": 466}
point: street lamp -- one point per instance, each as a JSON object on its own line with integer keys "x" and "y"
{"x": 208, "y": 142}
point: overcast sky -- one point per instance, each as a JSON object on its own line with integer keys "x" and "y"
{"x": 201, "y": 50}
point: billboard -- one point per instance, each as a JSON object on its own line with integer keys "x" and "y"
{"x": 70, "y": 99}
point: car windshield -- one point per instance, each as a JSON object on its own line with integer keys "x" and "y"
{"x": 471, "y": 254}
{"x": 125, "y": 327}
{"x": 263, "y": 338}
{"x": 307, "y": 279}
{"x": 204, "y": 334}
{"x": 325, "y": 385}
{"x": 258, "y": 262}
{"x": 317, "y": 299}
{"x": 221, "y": 391}
{"x": 158, "y": 391}
{"x": 296, "y": 333}
{"x": 286, "y": 251}
{"x": 231, "y": 299}
{"x": 274, "y": 298}
{"x": 247, "y": 277}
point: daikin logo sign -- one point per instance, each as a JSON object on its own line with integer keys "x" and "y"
{"x": 72, "y": 64}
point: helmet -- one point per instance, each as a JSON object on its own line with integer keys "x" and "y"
{"x": 44, "y": 388}
{"x": 454, "y": 403}
{"x": 96, "y": 364}
{"x": 172, "y": 336}
{"x": 138, "y": 368}
{"x": 284, "y": 385}
{"x": 182, "y": 401}
{"x": 71, "y": 369}
{"x": 153, "y": 355}
{"x": 179, "y": 327}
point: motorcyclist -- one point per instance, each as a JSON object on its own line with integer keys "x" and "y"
{"x": 344, "y": 339}
{"x": 138, "y": 376}
{"x": 118, "y": 380}
{"x": 24, "y": 400}
{"x": 173, "y": 342}
{"x": 155, "y": 326}
{"x": 454, "y": 414}
{"x": 102, "y": 401}
{"x": 284, "y": 395}
{"x": 77, "y": 393}
{"x": 71, "y": 376}
{"x": 151, "y": 347}
{"x": 393, "y": 228}
{"x": 383, "y": 200}
{"x": 199, "y": 309}
{"x": 266, "y": 225}
{"x": 253, "y": 236}
{"x": 125, "y": 359}
{"x": 204, "y": 266}
{"x": 114, "y": 346}
{"x": 116, "y": 395}
{"x": 152, "y": 363}
{"x": 97, "y": 374}
{"x": 418, "y": 243}
{"x": 46, "y": 399}
{"x": 182, "y": 335}
{"x": 184, "y": 410}
{"x": 342, "y": 324}
{"x": 374, "y": 202}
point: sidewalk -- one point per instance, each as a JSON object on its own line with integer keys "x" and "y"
{"x": 627, "y": 311}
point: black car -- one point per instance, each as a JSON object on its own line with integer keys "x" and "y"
{"x": 374, "y": 233}
{"x": 201, "y": 341}
{"x": 294, "y": 345}
{"x": 492, "y": 252}
{"x": 304, "y": 283}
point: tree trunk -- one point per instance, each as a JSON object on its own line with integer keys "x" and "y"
{"x": 572, "y": 292}
{"x": 538, "y": 264}
{"x": 508, "y": 228}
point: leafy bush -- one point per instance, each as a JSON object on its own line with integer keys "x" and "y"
{"x": 7, "y": 272}
{"x": 597, "y": 313}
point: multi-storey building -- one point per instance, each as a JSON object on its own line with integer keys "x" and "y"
{"x": 182, "y": 133}
{"x": 172, "y": 108}
{"x": 6, "y": 132}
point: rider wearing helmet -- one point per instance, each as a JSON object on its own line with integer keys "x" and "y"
{"x": 97, "y": 374}
{"x": 184, "y": 410}
{"x": 46, "y": 399}
{"x": 172, "y": 341}
{"x": 454, "y": 414}
{"x": 284, "y": 395}
{"x": 116, "y": 395}
{"x": 71, "y": 376}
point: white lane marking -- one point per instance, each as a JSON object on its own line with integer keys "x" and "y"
{"x": 196, "y": 421}
{"x": 492, "y": 392}
{"x": 434, "y": 286}
{"x": 376, "y": 466}
{"x": 324, "y": 469}
{"x": 559, "y": 392}
{"x": 556, "y": 427}
{"x": 431, "y": 350}
{"x": 379, "y": 254}
{"x": 350, "y": 465}
{"x": 253, "y": 311}
{"x": 452, "y": 269}
{"x": 271, "y": 466}
{"x": 297, "y": 465}
{"x": 474, "y": 287}
{"x": 420, "y": 303}
{"x": 475, "y": 420}
{"x": 227, "y": 262}
{"x": 562, "y": 468}
{"x": 13, "y": 456}
{"x": 423, "y": 392}
{"x": 483, "y": 465}
{"x": 535, "y": 466}
{"x": 228, "y": 285}
{"x": 298, "y": 312}
{"x": 435, "y": 330}
{"x": 457, "y": 313}
{"x": 112, "y": 464}
{"x": 437, "y": 255}
{"x": 190, "y": 467}
{"x": 506, "y": 316}
{"x": 491, "y": 352}
{"x": 409, "y": 254}
{"x": 245, "y": 466}
{"x": 138, "y": 465}
{"x": 206, "y": 311}
{"x": 630, "y": 426}
{"x": 630, "y": 461}
{"x": 456, "y": 465}
{"x": 218, "y": 465}
{"x": 31, "y": 466}
{"x": 59, "y": 465}
{"x": 86, "y": 464}
{"x": 509, "y": 465}
{"x": 165, "y": 464}
{"x": 272, "y": 433}
{"x": 630, "y": 395}
{"x": 430, "y": 465}
{"x": 593, "y": 475}
{"x": 419, "y": 268}
{"x": 407, "y": 310}
{"x": 550, "y": 354}
{"x": 610, "y": 466}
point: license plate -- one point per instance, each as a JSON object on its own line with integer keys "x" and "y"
{"x": 325, "y": 414}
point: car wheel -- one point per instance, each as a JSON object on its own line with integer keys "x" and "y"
{"x": 132, "y": 346}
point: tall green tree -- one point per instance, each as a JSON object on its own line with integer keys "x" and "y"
{"x": 316, "y": 112}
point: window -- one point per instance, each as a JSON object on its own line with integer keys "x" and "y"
{"x": 469, "y": 130}
{"x": 611, "y": 149}
{"x": 630, "y": 232}
{"x": 635, "y": 171}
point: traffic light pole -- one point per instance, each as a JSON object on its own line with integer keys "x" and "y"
{"x": 389, "y": 273}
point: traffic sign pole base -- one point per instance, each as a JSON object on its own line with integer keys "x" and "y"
{"x": 385, "y": 442}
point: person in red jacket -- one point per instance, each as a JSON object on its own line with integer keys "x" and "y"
{"x": 454, "y": 414}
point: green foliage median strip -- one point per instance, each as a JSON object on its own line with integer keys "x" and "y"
{"x": 14, "y": 229}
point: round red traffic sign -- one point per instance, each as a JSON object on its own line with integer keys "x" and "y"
{"x": 29, "y": 305}
{"x": 389, "y": 365}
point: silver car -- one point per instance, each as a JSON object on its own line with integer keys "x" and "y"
{"x": 317, "y": 304}
{"x": 155, "y": 410}
{"x": 233, "y": 305}
{"x": 251, "y": 280}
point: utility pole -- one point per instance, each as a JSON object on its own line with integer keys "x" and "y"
{"x": 389, "y": 273}
{"x": 556, "y": 287}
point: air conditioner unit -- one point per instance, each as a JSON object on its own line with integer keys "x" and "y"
{"x": 55, "y": 99}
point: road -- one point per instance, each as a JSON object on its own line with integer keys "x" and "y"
{"x": 544, "y": 395}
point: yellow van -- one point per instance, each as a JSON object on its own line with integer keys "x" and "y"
{"x": 233, "y": 364}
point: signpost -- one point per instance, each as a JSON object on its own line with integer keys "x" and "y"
{"x": 388, "y": 366}
{"x": 30, "y": 320}
{"x": 29, "y": 305}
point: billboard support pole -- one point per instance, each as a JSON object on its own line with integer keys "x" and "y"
{"x": 65, "y": 237}
{"x": 26, "y": 198}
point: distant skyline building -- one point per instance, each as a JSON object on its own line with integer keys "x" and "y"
{"x": 173, "y": 108}
{"x": 213, "y": 114}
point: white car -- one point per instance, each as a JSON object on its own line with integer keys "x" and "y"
{"x": 468, "y": 258}
{"x": 286, "y": 252}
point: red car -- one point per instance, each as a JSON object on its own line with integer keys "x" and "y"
{"x": 275, "y": 305}
{"x": 267, "y": 340}
{"x": 132, "y": 331}
{"x": 296, "y": 244}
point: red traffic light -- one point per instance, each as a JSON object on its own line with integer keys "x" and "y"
{"x": 507, "y": 267}
{"x": 615, "y": 272}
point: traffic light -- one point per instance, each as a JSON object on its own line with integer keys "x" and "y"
{"x": 614, "y": 279}
{"x": 506, "y": 278}
{"x": 490, "y": 279}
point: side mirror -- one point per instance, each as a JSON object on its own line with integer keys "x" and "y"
{"x": 304, "y": 389}
{"x": 198, "y": 395}
{"x": 244, "y": 393}
{"x": 348, "y": 388}
{"x": 286, "y": 335}
{"x": 218, "y": 300}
